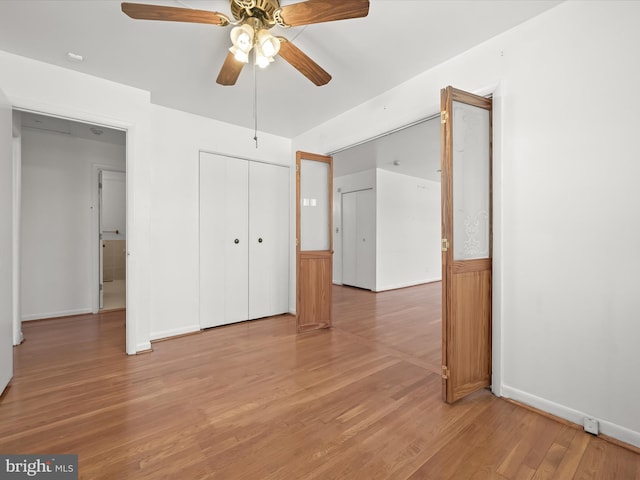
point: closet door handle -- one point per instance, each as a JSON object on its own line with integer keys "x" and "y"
{"x": 236, "y": 241}
{"x": 260, "y": 240}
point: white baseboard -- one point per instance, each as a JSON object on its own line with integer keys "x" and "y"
{"x": 143, "y": 347}
{"x": 575, "y": 416}
{"x": 174, "y": 332}
{"x": 410, "y": 284}
{"x": 61, "y": 313}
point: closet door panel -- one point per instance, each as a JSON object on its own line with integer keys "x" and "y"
{"x": 223, "y": 220}
{"x": 366, "y": 250}
{"x": 349, "y": 239}
{"x": 236, "y": 246}
{"x": 268, "y": 240}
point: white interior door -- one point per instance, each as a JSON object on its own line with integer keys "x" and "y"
{"x": 224, "y": 254}
{"x": 112, "y": 213}
{"x": 268, "y": 240}
{"x": 358, "y": 239}
{"x": 366, "y": 254}
{"x": 6, "y": 243}
{"x": 349, "y": 239}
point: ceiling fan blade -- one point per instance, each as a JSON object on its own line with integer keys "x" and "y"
{"x": 142, "y": 11}
{"x": 303, "y": 63}
{"x": 318, "y": 11}
{"x": 230, "y": 70}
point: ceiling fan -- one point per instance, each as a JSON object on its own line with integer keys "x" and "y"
{"x": 252, "y": 21}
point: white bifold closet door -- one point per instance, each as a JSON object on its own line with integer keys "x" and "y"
{"x": 224, "y": 231}
{"x": 244, "y": 240}
{"x": 268, "y": 240}
{"x": 358, "y": 239}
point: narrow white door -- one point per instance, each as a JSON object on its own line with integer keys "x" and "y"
{"x": 113, "y": 213}
{"x": 6, "y": 242}
{"x": 223, "y": 240}
{"x": 358, "y": 239}
{"x": 268, "y": 240}
{"x": 365, "y": 225}
{"x": 349, "y": 239}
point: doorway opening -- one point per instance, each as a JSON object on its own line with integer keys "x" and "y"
{"x": 462, "y": 237}
{"x": 387, "y": 210}
{"x": 112, "y": 239}
{"x": 59, "y": 235}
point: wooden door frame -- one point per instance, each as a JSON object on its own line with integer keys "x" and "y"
{"x": 300, "y": 155}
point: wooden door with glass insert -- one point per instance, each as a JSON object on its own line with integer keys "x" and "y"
{"x": 314, "y": 241}
{"x": 466, "y": 243}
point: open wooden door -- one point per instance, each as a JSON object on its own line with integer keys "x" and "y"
{"x": 466, "y": 243}
{"x": 314, "y": 241}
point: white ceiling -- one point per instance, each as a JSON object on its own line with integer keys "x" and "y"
{"x": 413, "y": 151}
{"x": 179, "y": 62}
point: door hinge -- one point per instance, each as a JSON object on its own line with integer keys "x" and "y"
{"x": 297, "y": 242}
{"x": 445, "y": 372}
{"x": 100, "y": 287}
{"x": 445, "y": 244}
{"x": 444, "y": 116}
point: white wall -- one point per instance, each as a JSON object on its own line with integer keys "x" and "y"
{"x": 177, "y": 139}
{"x": 53, "y": 90}
{"x": 407, "y": 231}
{"x": 57, "y": 240}
{"x": 567, "y": 217}
{"x": 162, "y": 182}
{"x": 407, "y": 227}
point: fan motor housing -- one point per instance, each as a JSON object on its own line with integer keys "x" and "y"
{"x": 264, "y": 9}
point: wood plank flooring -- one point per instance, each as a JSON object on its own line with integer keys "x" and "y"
{"x": 256, "y": 401}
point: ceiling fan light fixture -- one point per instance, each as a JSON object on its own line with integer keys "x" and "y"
{"x": 267, "y": 43}
{"x": 239, "y": 55}
{"x": 262, "y": 61}
{"x": 242, "y": 39}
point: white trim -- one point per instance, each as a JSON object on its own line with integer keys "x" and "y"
{"x": 18, "y": 337}
{"x": 397, "y": 286}
{"x": 61, "y": 111}
{"x": 384, "y": 134}
{"x": 175, "y": 332}
{"x": 497, "y": 269}
{"x": 575, "y": 416}
{"x": 61, "y": 313}
{"x": 142, "y": 347}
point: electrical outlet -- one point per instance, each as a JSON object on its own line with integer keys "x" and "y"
{"x": 591, "y": 426}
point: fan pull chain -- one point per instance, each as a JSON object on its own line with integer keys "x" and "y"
{"x": 255, "y": 104}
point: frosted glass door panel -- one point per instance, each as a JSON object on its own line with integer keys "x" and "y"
{"x": 314, "y": 206}
{"x": 471, "y": 182}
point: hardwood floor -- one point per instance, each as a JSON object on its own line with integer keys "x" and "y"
{"x": 256, "y": 401}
